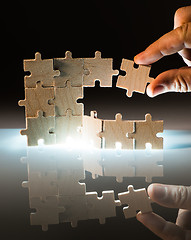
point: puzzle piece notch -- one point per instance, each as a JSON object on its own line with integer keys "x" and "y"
{"x": 136, "y": 200}
{"x": 41, "y": 70}
{"x": 135, "y": 79}
{"x": 145, "y": 132}
{"x": 47, "y": 211}
{"x": 116, "y": 131}
{"x": 71, "y": 69}
{"x": 66, "y": 98}
{"x": 38, "y": 99}
{"x": 39, "y": 128}
{"x": 68, "y": 127}
{"x": 98, "y": 68}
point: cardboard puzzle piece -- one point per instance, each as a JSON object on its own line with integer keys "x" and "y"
{"x": 39, "y": 128}
{"x": 116, "y": 131}
{"x": 66, "y": 97}
{"x": 41, "y": 184}
{"x": 101, "y": 207}
{"x": 37, "y": 99}
{"x": 118, "y": 165}
{"x": 71, "y": 69}
{"x": 135, "y": 80}
{"x": 145, "y": 132}
{"x": 136, "y": 200}
{"x": 68, "y": 127}
{"x": 147, "y": 164}
{"x": 47, "y": 211}
{"x": 41, "y": 70}
{"x": 98, "y": 68}
{"x": 92, "y": 126}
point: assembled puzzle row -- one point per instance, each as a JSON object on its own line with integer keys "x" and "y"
{"x": 53, "y": 114}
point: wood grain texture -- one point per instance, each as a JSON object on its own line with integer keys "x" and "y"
{"x": 145, "y": 132}
{"x": 116, "y": 131}
{"x": 41, "y": 70}
{"x": 135, "y": 80}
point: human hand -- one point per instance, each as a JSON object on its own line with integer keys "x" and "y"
{"x": 172, "y": 197}
{"x": 178, "y": 40}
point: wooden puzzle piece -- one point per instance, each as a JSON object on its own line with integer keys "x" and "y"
{"x": 116, "y": 131}
{"x": 136, "y": 200}
{"x": 145, "y": 132}
{"x": 98, "y": 68}
{"x": 135, "y": 80}
{"x": 47, "y": 211}
{"x": 37, "y": 99}
{"x": 92, "y": 126}
{"x": 41, "y": 70}
{"x": 41, "y": 184}
{"x": 101, "y": 207}
{"x": 71, "y": 69}
{"x": 118, "y": 165}
{"x": 146, "y": 164}
{"x": 39, "y": 128}
{"x": 68, "y": 127}
{"x": 66, "y": 97}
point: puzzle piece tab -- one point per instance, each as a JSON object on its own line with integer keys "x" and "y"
{"x": 66, "y": 97}
{"x": 39, "y": 128}
{"x": 41, "y": 70}
{"x": 71, "y": 69}
{"x": 37, "y": 99}
{"x": 135, "y": 80}
{"x": 116, "y": 131}
{"x": 98, "y": 68}
{"x": 136, "y": 200}
{"x": 145, "y": 132}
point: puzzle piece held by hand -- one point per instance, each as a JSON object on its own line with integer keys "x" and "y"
{"x": 136, "y": 200}
{"x": 116, "y": 131}
{"x": 41, "y": 70}
{"x": 98, "y": 68}
{"x": 135, "y": 80}
{"x": 145, "y": 132}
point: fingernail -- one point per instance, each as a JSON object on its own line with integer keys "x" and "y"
{"x": 158, "y": 90}
{"x": 159, "y": 192}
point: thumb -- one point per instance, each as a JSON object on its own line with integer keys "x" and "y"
{"x": 171, "y": 196}
{"x": 175, "y": 80}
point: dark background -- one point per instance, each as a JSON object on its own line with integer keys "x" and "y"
{"x": 119, "y": 29}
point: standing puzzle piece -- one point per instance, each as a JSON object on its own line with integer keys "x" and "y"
{"x": 47, "y": 211}
{"x": 68, "y": 126}
{"x": 41, "y": 70}
{"x": 135, "y": 80}
{"x": 37, "y": 99}
{"x": 98, "y": 68}
{"x": 145, "y": 132}
{"x": 92, "y": 126}
{"x": 39, "y": 128}
{"x": 116, "y": 131}
{"x": 136, "y": 200}
{"x": 71, "y": 69}
{"x": 66, "y": 97}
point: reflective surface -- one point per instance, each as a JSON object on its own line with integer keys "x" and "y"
{"x": 61, "y": 188}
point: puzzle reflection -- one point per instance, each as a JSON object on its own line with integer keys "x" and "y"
{"x": 57, "y": 196}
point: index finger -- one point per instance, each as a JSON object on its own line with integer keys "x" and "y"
{"x": 168, "y": 44}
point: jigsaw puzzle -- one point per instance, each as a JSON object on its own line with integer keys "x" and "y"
{"x": 54, "y": 115}
{"x": 135, "y": 80}
{"x": 41, "y": 71}
{"x": 136, "y": 200}
{"x": 145, "y": 132}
